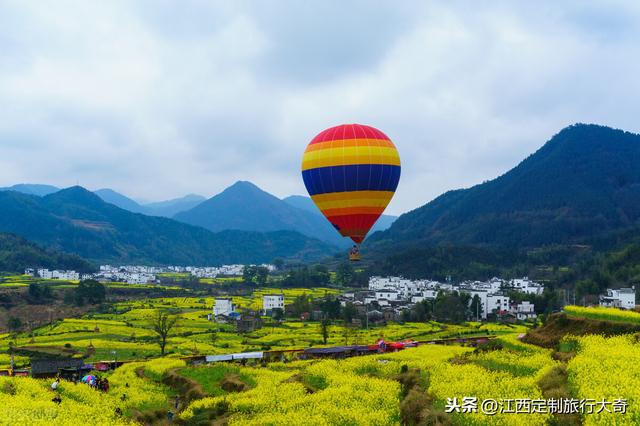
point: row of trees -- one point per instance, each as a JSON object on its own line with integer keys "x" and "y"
{"x": 86, "y": 292}
{"x": 451, "y": 307}
{"x": 305, "y": 276}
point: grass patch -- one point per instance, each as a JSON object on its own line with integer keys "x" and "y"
{"x": 210, "y": 377}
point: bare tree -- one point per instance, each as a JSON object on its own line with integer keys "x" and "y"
{"x": 162, "y": 324}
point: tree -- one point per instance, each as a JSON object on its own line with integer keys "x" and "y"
{"x": 476, "y": 307}
{"x": 278, "y": 263}
{"x": 344, "y": 274}
{"x": 39, "y": 293}
{"x": 450, "y": 307}
{"x": 349, "y": 312}
{"x": 301, "y": 304}
{"x": 419, "y": 312}
{"x": 249, "y": 273}
{"x": 330, "y": 307}
{"x": 90, "y": 291}
{"x": 277, "y": 314}
{"x": 262, "y": 274}
{"x": 14, "y": 324}
{"x": 162, "y": 324}
{"x": 324, "y": 330}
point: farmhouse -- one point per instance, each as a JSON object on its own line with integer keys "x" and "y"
{"x": 524, "y": 311}
{"x": 271, "y": 302}
{"x": 58, "y": 275}
{"x": 624, "y": 298}
{"x": 223, "y": 307}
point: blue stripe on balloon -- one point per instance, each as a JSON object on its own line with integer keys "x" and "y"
{"x": 357, "y": 177}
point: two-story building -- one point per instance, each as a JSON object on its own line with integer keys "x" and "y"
{"x": 223, "y": 306}
{"x": 271, "y": 302}
{"x": 624, "y": 298}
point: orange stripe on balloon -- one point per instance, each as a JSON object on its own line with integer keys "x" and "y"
{"x": 345, "y": 143}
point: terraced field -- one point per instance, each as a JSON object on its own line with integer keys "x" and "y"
{"x": 413, "y": 386}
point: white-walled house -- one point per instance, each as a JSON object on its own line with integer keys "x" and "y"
{"x": 386, "y": 294}
{"x": 497, "y": 303}
{"x": 424, "y": 295}
{"x": 58, "y": 275}
{"x": 525, "y": 285}
{"x": 525, "y": 310}
{"x": 271, "y": 302}
{"x": 223, "y": 306}
{"x": 624, "y": 298}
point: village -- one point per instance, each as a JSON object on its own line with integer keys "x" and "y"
{"x": 141, "y": 274}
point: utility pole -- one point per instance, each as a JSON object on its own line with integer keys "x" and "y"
{"x": 366, "y": 314}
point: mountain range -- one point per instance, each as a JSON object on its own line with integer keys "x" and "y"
{"x": 75, "y": 220}
{"x": 584, "y": 182}
{"x": 246, "y": 207}
{"x": 582, "y": 187}
{"x": 235, "y": 208}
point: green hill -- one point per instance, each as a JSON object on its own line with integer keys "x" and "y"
{"x": 585, "y": 181}
{"x": 17, "y": 254}
{"x": 77, "y": 221}
{"x": 246, "y": 207}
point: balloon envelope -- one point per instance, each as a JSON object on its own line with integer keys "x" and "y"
{"x": 351, "y": 172}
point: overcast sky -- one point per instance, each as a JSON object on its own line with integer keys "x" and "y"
{"x": 157, "y": 99}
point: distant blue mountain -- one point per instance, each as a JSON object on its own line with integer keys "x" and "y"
{"x": 172, "y": 207}
{"x": 122, "y": 201}
{"x": 78, "y": 221}
{"x": 246, "y": 207}
{"x": 32, "y": 189}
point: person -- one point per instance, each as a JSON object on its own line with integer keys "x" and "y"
{"x": 105, "y": 385}
{"x": 170, "y": 416}
{"x": 118, "y": 411}
{"x": 57, "y": 399}
{"x": 54, "y": 385}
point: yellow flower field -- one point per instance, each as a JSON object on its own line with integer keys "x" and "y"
{"x": 608, "y": 367}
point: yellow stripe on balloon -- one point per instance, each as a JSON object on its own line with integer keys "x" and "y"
{"x": 350, "y": 156}
{"x": 335, "y": 200}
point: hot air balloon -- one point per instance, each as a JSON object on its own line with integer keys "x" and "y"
{"x": 351, "y": 172}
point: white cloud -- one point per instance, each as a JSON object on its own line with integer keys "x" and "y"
{"x": 156, "y": 99}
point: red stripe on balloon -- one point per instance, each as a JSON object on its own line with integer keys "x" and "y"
{"x": 349, "y": 131}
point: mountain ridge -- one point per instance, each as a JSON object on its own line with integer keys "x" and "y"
{"x": 245, "y": 206}
{"x": 78, "y": 221}
{"x": 583, "y": 179}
